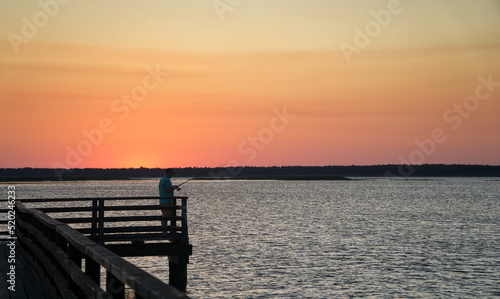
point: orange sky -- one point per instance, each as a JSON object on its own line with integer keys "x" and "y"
{"x": 266, "y": 83}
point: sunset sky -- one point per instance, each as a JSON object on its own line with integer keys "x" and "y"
{"x": 167, "y": 83}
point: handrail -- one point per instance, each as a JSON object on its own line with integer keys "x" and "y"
{"x": 56, "y": 250}
{"x": 98, "y": 220}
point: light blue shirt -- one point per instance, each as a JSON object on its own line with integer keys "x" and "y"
{"x": 164, "y": 184}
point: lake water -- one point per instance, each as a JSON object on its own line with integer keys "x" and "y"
{"x": 368, "y": 237}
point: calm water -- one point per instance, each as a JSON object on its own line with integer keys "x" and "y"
{"x": 392, "y": 238}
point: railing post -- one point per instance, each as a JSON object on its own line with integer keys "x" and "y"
{"x": 76, "y": 257}
{"x": 93, "y": 269}
{"x": 60, "y": 241}
{"x": 184, "y": 222}
{"x": 101, "y": 222}
{"x": 173, "y": 214}
{"x": 93, "y": 231}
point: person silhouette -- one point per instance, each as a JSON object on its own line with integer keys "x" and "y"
{"x": 166, "y": 198}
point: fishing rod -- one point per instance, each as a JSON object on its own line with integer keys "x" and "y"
{"x": 197, "y": 176}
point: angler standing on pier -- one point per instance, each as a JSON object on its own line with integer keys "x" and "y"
{"x": 166, "y": 194}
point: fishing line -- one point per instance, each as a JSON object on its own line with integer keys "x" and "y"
{"x": 197, "y": 176}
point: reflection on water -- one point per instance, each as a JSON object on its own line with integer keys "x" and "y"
{"x": 329, "y": 239}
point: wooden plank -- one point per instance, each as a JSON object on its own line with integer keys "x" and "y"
{"x": 129, "y": 229}
{"x": 106, "y": 208}
{"x": 90, "y": 198}
{"x": 138, "y": 208}
{"x": 140, "y": 237}
{"x": 133, "y": 229}
{"x": 151, "y": 249}
{"x": 141, "y": 218}
{"x": 65, "y": 209}
{"x": 118, "y": 219}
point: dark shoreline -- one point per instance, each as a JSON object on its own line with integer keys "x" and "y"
{"x": 252, "y": 178}
{"x": 252, "y": 172}
{"x": 55, "y": 179}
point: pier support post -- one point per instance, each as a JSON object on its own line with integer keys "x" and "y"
{"x": 177, "y": 267}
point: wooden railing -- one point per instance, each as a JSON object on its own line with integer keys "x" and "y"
{"x": 70, "y": 261}
{"x": 104, "y": 229}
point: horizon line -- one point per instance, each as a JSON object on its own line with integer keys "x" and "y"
{"x": 249, "y": 166}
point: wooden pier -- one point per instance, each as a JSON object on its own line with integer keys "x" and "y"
{"x": 68, "y": 243}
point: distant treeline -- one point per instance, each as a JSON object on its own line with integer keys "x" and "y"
{"x": 426, "y": 170}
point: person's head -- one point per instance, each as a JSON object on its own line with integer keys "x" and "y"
{"x": 169, "y": 172}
